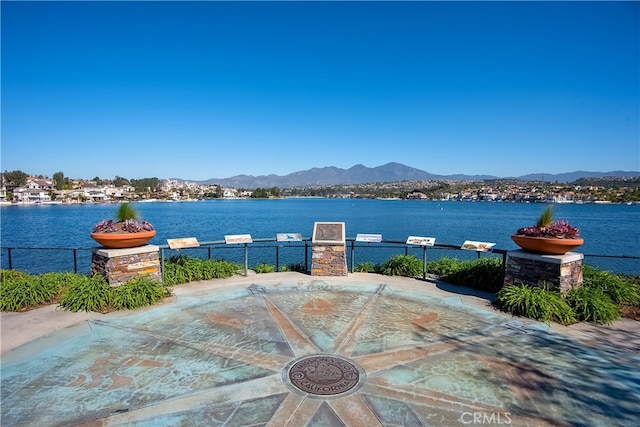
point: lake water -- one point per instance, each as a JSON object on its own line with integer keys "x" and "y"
{"x": 608, "y": 229}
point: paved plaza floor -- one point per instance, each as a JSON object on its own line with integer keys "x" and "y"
{"x": 288, "y": 349}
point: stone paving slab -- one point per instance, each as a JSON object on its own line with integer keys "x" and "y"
{"x": 286, "y": 349}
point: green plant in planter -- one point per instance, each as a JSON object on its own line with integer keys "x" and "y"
{"x": 128, "y": 221}
{"x": 126, "y": 211}
{"x": 546, "y": 227}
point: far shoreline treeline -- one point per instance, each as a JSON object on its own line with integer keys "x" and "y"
{"x": 63, "y": 189}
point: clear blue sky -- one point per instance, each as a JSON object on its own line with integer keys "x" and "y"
{"x": 204, "y": 90}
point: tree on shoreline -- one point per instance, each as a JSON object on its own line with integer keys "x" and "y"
{"x": 15, "y": 178}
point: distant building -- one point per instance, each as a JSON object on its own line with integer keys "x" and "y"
{"x": 417, "y": 195}
{"x": 26, "y": 195}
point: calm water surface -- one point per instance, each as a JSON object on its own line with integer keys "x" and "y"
{"x": 608, "y": 229}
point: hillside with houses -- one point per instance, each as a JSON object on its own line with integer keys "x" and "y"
{"x": 44, "y": 190}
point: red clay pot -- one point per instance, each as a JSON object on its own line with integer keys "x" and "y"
{"x": 123, "y": 240}
{"x": 546, "y": 245}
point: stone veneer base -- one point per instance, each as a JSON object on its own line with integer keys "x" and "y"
{"x": 563, "y": 272}
{"x": 120, "y": 265}
{"x": 329, "y": 260}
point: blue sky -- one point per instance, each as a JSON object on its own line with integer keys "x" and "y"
{"x": 204, "y": 90}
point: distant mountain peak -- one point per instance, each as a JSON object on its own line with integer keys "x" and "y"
{"x": 389, "y": 172}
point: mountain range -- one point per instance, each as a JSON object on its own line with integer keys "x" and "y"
{"x": 390, "y": 172}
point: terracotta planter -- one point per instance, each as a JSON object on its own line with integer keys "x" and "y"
{"x": 123, "y": 240}
{"x": 546, "y": 245}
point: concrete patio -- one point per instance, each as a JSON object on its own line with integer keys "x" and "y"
{"x": 287, "y": 349}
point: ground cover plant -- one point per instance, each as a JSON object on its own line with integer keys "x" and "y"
{"x": 264, "y": 268}
{"x": 76, "y": 292}
{"x": 484, "y": 273}
{"x": 297, "y": 267}
{"x": 402, "y": 265}
{"x": 366, "y": 267}
{"x": 21, "y": 291}
{"x": 183, "y": 269}
{"x": 534, "y": 302}
{"x": 601, "y": 299}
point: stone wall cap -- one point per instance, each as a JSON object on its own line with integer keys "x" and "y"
{"x": 110, "y": 253}
{"x": 557, "y": 259}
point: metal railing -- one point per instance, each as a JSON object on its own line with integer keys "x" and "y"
{"x": 271, "y": 251}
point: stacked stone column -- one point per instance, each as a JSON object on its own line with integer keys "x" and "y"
{"x": 561, "y": 272}
{"x": 120, "y": 265}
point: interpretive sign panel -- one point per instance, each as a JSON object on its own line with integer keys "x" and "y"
{"x": 329, "y": 232}
{"x": 422, "y": 241}
{"x": 183, "y": 242}
{"x": 368, "y": 237}
{"x": 238, "y": 238}
{"x": 471, "y": 245}
{"x": 289, "y": 237}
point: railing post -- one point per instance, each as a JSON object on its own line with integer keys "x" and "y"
{"x": 306, "y": 256}
{"x": 246, "y": 259}
{"x": 162, "y": 264}
{"x": 208, "y": 252}
{"x": 504, "y": 266}
{"x": 352, "y": 254}
{"x": 277, "y": 257}
{"x": 75, "y": 260}
{"x": 424, "y": 262}
{"x": 9, "y": 258}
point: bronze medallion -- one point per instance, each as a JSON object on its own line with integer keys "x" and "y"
{"x": 324, "y": 375}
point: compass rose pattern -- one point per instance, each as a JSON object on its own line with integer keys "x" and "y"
{"x": 405, "y": 359}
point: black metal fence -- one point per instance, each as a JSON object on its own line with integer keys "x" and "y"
{"x": 280, "y": 254}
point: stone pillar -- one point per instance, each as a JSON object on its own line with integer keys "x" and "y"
{"x": 329, "y": 260}
{"x": 562, "y": 272}
{"x": 329, "y": 251}
{"x": 120, "y": 265}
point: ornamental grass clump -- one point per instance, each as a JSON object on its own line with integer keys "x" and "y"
{"x": 138, "y": 292}
{"x": 21, "y": 291}
{"x": 183, "y": 269}
{"x": 402, "y": 265}
{"x": 539, "y": 303}
{"x": 546, "y": 227}
{"x": 264, "y": 268}
{"x": 483, "y": 273}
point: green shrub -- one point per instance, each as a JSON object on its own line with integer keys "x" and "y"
{"x": 20, "y": 291}
{"x": 264, "y": 268}
{"x": 182, "y": 269}
{"x": 217, "y": 269}
{"x": 443, "y": 267}
{"x": 619, "y": 289}
{"x": 138, "y": 292}
{"x": 298, "y": 267}
{"x": 75, "y": 292}
{"x": 483, "y": 273}
{"x": 402, "y": 265}
{"x": 89, "y": 294}
{"x": 535, "y": 303}
{"x": 366, "y": 267}
{"x": 13, "y": 275}
{"x": 592, "y": 305}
